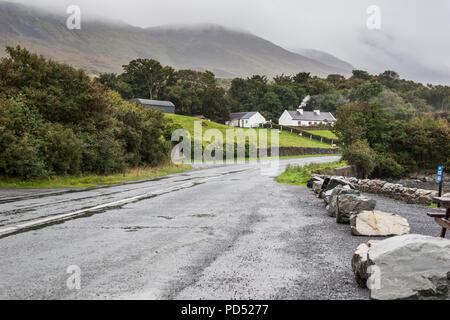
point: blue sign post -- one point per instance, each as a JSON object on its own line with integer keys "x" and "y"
{"x": 440, "y": 173}
{"x": 440, "y": 179}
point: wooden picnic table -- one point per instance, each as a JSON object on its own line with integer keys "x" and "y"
{"x": 443, "y": 219}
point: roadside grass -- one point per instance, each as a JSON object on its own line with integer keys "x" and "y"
{"x": 287, "y": 139}
{"x": 323, "y": 133}
{"x": 299, "y": 175}
{"x": 94, "y": 180}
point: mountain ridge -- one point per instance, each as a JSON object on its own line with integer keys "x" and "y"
{"x": 105, "y": 46}
{"x": 325, "y": 58}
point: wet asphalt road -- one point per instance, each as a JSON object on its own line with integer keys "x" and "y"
{"x": 226, "y": 232}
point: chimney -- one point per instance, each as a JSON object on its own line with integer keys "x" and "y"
{"x": 300, "y": 109}
{"x": 317, "y": 112}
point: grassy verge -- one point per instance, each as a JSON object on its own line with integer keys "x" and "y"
{"x": 299, "y": 175}
{"x": 94, "y": 180}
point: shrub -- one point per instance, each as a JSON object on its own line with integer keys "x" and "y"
{"x": 21, "y": 158}
{"x": 388, "y": 167}
{"x": 62, "y": 150}
{"x": 361, "y": 155}
{"x": 56, "y": 120}
{"x": 20, "y": 144}
{"x": 102, "y": 153}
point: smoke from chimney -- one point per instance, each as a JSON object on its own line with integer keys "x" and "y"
{"x": 303, "y": 104}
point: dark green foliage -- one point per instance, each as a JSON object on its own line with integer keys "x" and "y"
{"x": 362, "y": 155}
{"x": 102, "y": 152}
{"x": 302, "y": 77}
{"x": 387, "y": 167}
{"x": 196, "y": 93}
{"x": 147, "y": 78}
{"x": 367, "y": 90}
{"x": 401, "y": 146}
{"x": 56, "y": 120}
{"x": 62, "y": 150}
{"x": 361, "y": 74}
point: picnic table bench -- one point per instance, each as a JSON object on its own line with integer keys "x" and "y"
{"x": 442, "y": 219}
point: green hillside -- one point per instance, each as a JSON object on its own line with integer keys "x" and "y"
{"x": 286, "y": 139}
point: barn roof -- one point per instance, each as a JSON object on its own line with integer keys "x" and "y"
{"x": 157, "y": 103}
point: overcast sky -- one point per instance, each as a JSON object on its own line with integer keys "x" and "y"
{"x": 414, "y": 36}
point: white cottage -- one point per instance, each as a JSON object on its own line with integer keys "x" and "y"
{"x": 246, "y": 120}
{"x": 301, "y": 118}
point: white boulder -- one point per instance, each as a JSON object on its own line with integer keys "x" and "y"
{"x": 377, "y": 223}
{"x": 410, "y": 267}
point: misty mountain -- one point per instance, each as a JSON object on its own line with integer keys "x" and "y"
{"x": 104, "y": 46}
{"x": 325, "y": 58}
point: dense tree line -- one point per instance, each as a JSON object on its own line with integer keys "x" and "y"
{"x": 198, "y": 93}
{"x": 56, "y": 120}
{"x": 382, "y": 146}
{"x": 194, "y": 93}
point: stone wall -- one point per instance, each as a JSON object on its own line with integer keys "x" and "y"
{"x": 394, "y": 191}
{"x": 297, "y": 151}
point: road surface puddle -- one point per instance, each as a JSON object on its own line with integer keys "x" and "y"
{"x": 166, "y": 217}
{"x": 206, "y": 215}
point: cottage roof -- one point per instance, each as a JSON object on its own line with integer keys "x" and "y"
{"x": 311, "y": 116}
{"x": 242, "y": 115}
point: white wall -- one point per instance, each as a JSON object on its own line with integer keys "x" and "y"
{"x": 232, "y": 123}
{"x": 255, "y": 121}
{"x": 286, "y": 120}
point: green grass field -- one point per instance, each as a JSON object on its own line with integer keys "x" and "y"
{"x": 323, "y": 133}
{"x": 299, "y": 175}
{"x": 286, "y": 139}
{"x": 94, "y": 180}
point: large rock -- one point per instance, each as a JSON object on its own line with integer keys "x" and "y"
{"x": 317, "y": 187}
{"x": 410, "y": 267}
{"x": 338, "y": 190}
{"x": 352, "y": 204}
{"x": 377, "y": 223}
{"x": 375, "y": 185}
{"x": 334, "y": 198}
{"x": 327, "y": 196}
{"x": 313, "y": 180}
{"x": 388, "y": 188}
{"x": 360, "y": 262}
{"x": 425, "y": 196}
{"x": 332, "y": 202}
{"x": 333, "y": 182}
